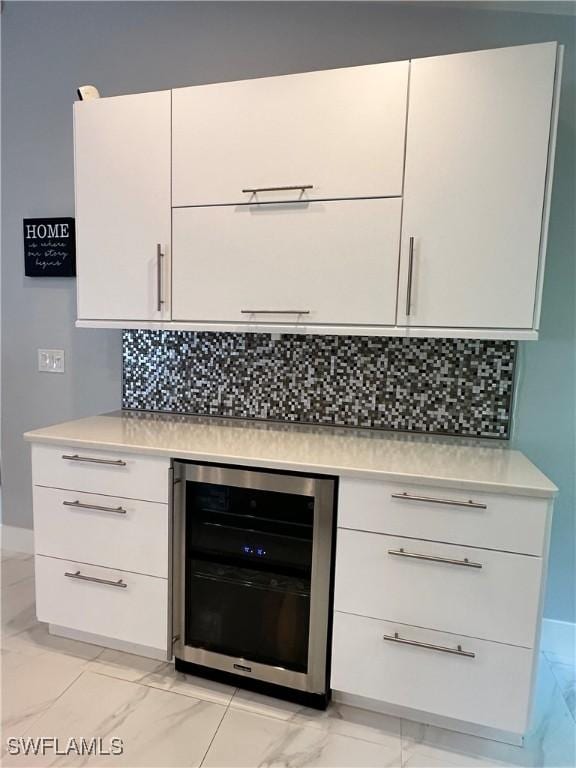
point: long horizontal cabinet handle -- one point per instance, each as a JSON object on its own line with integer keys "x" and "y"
{"x": 433, "y": 500}
{"x": 275, "y": 311}
{"x": 253, "y": 190}
{"x": 97, "y": 507}
{"x": 395, "y": 638}
{"x": 81, "y": 577}
{"x": 416, "y": 556}
{"x": 113, "y": 462}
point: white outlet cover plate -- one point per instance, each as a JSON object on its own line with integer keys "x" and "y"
{"x": 51, "y": 360}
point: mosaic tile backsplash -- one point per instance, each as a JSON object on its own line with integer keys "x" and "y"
{"x": 442, "y": 386}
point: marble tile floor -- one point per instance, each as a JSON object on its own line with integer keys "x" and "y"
{"x": 62, "y": 688}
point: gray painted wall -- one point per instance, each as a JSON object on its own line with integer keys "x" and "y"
{"x": 50, "y": 48}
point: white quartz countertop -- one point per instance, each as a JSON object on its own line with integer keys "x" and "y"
{"x": 452, "y": 462}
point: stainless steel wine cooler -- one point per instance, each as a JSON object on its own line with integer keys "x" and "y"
{"x": 252, "y": 584}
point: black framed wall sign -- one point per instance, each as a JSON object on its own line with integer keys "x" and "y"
{"x": 49, "y": 248}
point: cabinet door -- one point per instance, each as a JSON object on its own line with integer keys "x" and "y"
{"x": 319, "y": 262}
{"x": 122, "y": 159}
{"x": 478, "y": 130}
{"x": 341, "y": 131}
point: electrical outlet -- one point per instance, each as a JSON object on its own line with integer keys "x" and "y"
{"x": 51, "y": 360}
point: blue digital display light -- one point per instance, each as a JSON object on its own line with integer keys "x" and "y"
{"x": 253, "y": 551}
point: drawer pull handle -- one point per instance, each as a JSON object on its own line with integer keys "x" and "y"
{"x": 108, "y": 582}
{"x": 451, "y": 502}
{"x": 395, "y": 638}
{"x": 467, "y": 563}
{"x": 113, "y": 462}
{"x": 274, "y": 311}
{"x": 81, "y": 505}
{"x": 254, "y": 190}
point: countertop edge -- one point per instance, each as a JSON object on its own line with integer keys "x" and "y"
{"x": 255, "y": 461}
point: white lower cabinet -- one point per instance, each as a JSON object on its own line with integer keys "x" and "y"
{"x": 103, "y": 530}
{"x": 110, "y": 603}
{"x": 108, "y": 472}
{"x": 101, "y": 538}
{"x": 490, "y": 689}
{"x": 475, "y": 592}
{"x": 439, "y": 624}
{"x": 437, "y": 595}
{"x": 487, "y": 520}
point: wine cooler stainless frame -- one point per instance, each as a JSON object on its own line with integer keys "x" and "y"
{"x": 323, "y": 490}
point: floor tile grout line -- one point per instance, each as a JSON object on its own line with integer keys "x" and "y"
{"x": 558, "y": 684}
{"x": 197, "y": 698}
{"x": 289, "y": 723}
{"x": 52, "y": 704}
{"x": 303, "y": 723}
{"x": 217, "y": 729}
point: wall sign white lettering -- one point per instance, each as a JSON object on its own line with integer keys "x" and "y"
{"x": 49, "y": 248}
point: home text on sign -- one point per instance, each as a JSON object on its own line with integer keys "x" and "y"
{"x": 49, "y": 247}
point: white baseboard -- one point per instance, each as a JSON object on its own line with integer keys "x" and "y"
{"x": 16, "y": 539}
{"x": 418, "y": 716}
{"x": 109, "y": 642}
{"x": 559, "y": 638}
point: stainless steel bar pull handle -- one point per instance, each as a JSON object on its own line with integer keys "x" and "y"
{"x": 434, "y": 500}
{"x": 254, "y": 190}
{"x": 434, "y": 558}
{"x": 112, "y": 462}
{"x": 395, "y": 638}
{"x": 159, "y": 258}
{"x": 81, "y": 577}
{"x": 275, "y": 311}
{"x": 97, "y": 507}
{"x": 409, "y": 282}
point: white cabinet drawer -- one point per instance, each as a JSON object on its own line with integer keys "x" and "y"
{"x": 491, "y": 689}
{"x": 136, "y": 613}
{"x": 341, "y": 131}
{"x": 498, "y": 601}
{"x": 102, "y": 530}
{"x": 106, "y": 472}
{"x": 494, "y": 521}
{"x": 312, "y": 263}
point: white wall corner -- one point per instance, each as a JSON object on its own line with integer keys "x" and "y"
{"x": 14, "y": 539}
{"x": 559, "y": 638}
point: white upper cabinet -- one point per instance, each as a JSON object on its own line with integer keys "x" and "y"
{"x": 330, "y": 262}
{"x": 340, "y": 133}
{"x": 479, "y": 127}
{"x": 406, "y": 198}
{"x": 123, "y": 216}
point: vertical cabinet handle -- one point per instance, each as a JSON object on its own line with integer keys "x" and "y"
{"x": 409, "y": 283}
{"x": 159, "y": 259}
